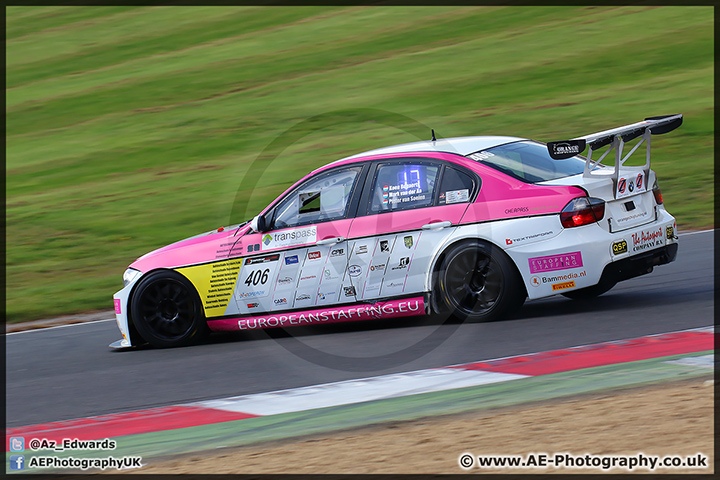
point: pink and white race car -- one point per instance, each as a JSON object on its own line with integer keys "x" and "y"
{"x": 468, "y": 226}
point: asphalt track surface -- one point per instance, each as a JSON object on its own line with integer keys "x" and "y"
{"x": 69, "y": 372}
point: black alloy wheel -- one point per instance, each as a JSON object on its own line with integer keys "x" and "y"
{"x": 166, "y": 310}
{"x": 478, "y": 282}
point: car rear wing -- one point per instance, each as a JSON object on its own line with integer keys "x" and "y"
{"x": 616, "y": 138}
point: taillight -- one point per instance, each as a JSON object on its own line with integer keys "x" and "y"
{"x": 582, "y": 211}
{"x": 658, "y": 195}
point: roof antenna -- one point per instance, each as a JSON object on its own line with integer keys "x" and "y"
{"x": 433, "y": 135}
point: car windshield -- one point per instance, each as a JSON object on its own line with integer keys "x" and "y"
{"x": 528, "y": 161}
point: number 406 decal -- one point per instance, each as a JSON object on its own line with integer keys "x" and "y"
{"x": 258, "y": 277}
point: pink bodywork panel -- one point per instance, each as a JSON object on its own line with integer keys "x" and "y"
{"x": 500, "y": 197}
{"x": 390, "y": 309}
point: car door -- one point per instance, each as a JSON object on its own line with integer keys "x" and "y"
{"x": 408, "y": 207}
{"x": 301, "y": 260}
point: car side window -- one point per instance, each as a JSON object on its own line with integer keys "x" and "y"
{"x": 322, "y": 198}
{"x": 456, "y": 187}
{"x": 403, "y": 186}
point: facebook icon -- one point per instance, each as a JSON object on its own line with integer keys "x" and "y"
{"x": 17, "y": 462}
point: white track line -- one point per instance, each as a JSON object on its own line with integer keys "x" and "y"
{"x": 356, "y": 391}
{"x": 44, "y": 329}
{"x": 683, "y": 234}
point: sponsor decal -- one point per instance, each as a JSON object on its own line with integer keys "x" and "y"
{"x": 362, "y": 249}
{"x": 337, "y": 252}
{"x": 550, "y": 263}
{"x": 670, "y": 233}
{"x": 328, "y": 274}
{"x": 354, "y": 270}
{"x": 385, "y": 188}
{"x": 517, "y": 210}
{"x": 457, "y": 196}
{"x": 620, "y": 247}
{"x": 349, "y": 291}
{"x": 536, "y": 281}
{"x": 265, "y": 259}
{"x": 307, "y": 277}
{"x": 404, "y": 262}
{"x": 302, "y": 297}
{"x": 480, "y": 156}
{"x": 285, "y": 280}
{"x": 632, "y": 217}
{"x": 291, "y": 260}
{"x": 565, "y": 149}
{"x": 325, "y": 295}
{"x": 626, "y": 186}
{"x": 256, "y": 293}
{"x": 216, "y": 283}
{"x": 253, "y": 247}
{"x": 118, "y": 308}
{"x": 280, "y": 301}
{"x": 647, "y": 239}
{"x": 290, "y": 238}
{"x": 408, "y": 241}
{"x": 379, "y": 266}
{"x": 563, "y": 286}
{"x": 528, "y": 238}
{"x": 390, "y": 309}
{"x": 394, "y": 284}
{"x": 253, "y": 305}
{"x": 313, "y": 255}
{"x": 384, "y": 246}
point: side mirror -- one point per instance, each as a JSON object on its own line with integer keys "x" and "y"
{"x": 258, "y": 224}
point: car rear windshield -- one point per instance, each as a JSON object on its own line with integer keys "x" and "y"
{"x": 528, "y": 161}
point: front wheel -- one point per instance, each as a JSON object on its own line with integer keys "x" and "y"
{"x": 478, "y": 282}
{"x": 166, "y": 310}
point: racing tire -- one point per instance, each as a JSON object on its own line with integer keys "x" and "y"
{"x": 590, "y": 292}
{"x": 166, "y": 310}
{"x": 478, "y": 282}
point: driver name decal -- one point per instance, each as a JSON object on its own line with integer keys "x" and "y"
{"x": 289, "y": 238}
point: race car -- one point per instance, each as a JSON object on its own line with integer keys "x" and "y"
{"x": 467, "y": 226}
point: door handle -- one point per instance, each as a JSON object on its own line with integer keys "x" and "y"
{"x": 436, "y": 225}
{"x": 330, "y": 241}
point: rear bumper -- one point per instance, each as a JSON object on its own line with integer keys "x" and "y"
{"x": 638, "y": 264}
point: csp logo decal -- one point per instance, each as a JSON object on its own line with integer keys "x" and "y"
{"x": 619, "y": 247}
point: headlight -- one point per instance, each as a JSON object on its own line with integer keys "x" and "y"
{"x": 129, "y": 275}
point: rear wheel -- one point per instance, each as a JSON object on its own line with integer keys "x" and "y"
{"x": 478, "y": 282}
{"x": 166, "y": 310}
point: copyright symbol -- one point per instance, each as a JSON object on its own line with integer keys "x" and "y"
{"x": 34, "y": 444}
{"x": 466, "y": 460}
